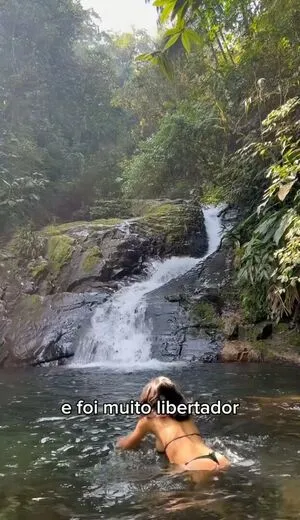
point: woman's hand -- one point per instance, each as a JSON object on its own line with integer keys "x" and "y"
{"x": 121, "y": 443}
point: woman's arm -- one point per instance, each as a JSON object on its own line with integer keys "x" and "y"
{"x": 133, "y": 440}
{"x": 158, "y": 446}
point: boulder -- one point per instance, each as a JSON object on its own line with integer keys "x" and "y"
{"x": 44, "y": 329}
{"x": 185, "y": 314}
{"x": 239, "y": 351}
{"x": 88, "y": 256}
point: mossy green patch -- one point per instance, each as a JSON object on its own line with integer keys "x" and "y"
{"x": 170, "y": 220}
{"x": 31, "y": 300}
{"x": 38, "y": 269}
{"x": 73, "y": 226}
{"x": 105, "y": 222}
{"x": 140, "y": 208}
{"x": 163, "y": 210}
{"x": 205, "y": 313}
{"x": 90, "y": 259}
{"x": 60, "y": 251}
{"x": 213, "y": 195}
{"x": 51, "y": 230}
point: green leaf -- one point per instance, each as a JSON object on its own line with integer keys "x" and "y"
{"x": 180, "y": 9}
{"x": 264, "y": 227}
{"x": 189, "y": 38}
{"x": 171, "y": 41}
{"x": 173, "y": 30}
{"x": 166, "y": 12}
{"x": 145, "y": 57}
{"x": 194, "y": 36}
{"x": 186, "y": 41}
{"x": 160, "y": 3}
{"x": 166, "y": 66}
{"x": 283, "y": 226}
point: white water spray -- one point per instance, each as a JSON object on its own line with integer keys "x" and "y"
{"x": 119, "y": 335}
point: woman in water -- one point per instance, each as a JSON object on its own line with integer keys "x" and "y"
{"x": 176, "y": 434}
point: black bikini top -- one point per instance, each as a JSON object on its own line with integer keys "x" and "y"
{"x": 181, "y": 437}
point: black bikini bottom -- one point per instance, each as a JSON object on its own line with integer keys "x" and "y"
{"x": 212, "y": 456}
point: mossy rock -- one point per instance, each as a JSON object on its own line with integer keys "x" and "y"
{"x": 118, "y": 208}
{"x": 73, "y": 226}
{"x": 140, "y": 208}
{"x": 167, "y": 209}
{"x": 60, "y": 251}
{"x": 90, "y": 259}
{"x": 205, "y": 313}
{"x": 38, "y": 269}
{"x": 169, "y": 220}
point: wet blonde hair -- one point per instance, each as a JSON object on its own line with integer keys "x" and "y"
{"x": 163, "y": 389}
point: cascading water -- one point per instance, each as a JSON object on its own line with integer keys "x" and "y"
{"x": 119, "y": 335}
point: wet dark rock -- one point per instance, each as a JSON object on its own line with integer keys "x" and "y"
{"x": 265, "y": 331}
{"x": 46, "y": 329}
{"x": 184, "y": 314}
{"x": 229, "y": 217}
{"x": 209, "y": 357}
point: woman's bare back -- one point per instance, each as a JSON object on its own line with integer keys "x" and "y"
{"x": 176, "y": 434}
{"x": 182, "y": 444}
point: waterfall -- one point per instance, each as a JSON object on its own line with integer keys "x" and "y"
{"x": 119, "y": 335}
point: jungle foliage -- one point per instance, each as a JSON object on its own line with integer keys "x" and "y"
{"x": 212, "y": 106}
{"x": 242, "y": 60}
{"x": 61, "y": 138}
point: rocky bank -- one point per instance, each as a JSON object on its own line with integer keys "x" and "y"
{"x": 51, "y": 280}
{"x": 198, "y": 317}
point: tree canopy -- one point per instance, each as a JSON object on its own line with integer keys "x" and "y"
{"x": 212, "y": 105}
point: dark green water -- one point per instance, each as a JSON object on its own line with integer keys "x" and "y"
{"x": 55, "y": 467}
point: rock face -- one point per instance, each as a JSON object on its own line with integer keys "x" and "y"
{"x": 52, "y": 279}
{"x": 43, "y": 329}
{"x": 197, "y": 317}
{"x": 88, "y": 256}
{"x": 185, "y": 314}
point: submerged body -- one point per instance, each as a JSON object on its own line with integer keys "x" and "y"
{"x": 177, "y": 437}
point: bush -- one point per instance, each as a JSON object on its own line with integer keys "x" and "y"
{"x": 270, "y": 260}
{"x": 27, "y": 245}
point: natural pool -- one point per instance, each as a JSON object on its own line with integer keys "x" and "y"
{"x": 56, "y": 467}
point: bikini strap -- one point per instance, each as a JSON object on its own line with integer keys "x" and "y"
{"x": 181, "y": 437}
